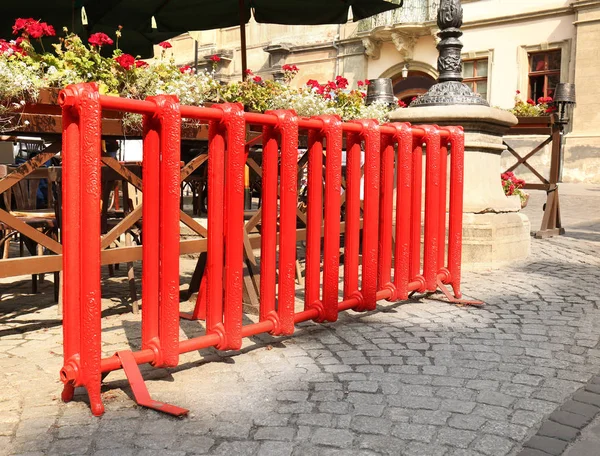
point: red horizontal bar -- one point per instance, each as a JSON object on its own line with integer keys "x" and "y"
{"x": 210, "y": 340}
{"x": 196, "y": 112}
{"x": 127, "y": 104}
{"x": 200, "y": 113}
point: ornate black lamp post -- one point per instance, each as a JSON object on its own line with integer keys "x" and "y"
{"x": 449, "y": 90}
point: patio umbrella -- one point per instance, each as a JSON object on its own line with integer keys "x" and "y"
{"x": 227, "y": 13}
{"x": 148, "y": 22}
{"x": 138, "y": 36}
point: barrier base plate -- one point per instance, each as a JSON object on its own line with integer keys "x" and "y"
{"x": 140, "y": 392}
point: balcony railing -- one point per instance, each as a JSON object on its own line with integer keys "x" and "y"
{"x": 412, "y": 12}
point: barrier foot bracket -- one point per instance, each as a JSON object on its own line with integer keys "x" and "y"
{"x": 140, "y": 392}
{"x": 453, "y": 300}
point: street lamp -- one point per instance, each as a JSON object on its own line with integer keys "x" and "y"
{"x": 405, "y": 71}
{"x": 564, "y": 98}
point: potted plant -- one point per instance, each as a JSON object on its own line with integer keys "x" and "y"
{"x": 512, "y": 186}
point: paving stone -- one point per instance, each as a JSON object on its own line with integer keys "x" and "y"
{"x": 527, "y": 418}
{"x": 450, "y": 405}
{"x": 243, "y": 448}
{"x": 558, "y": 431}
{"x": 570, "y": 419}
{"x": 418, "y": 432}
{"x": 470, "y": 422}
{"x": 195, "y": 444}
{"x": 69, "y": 446}
{"x": 275, "y": 449}
{"x": 532, "y": 452}
{"x": 513, "y": 431}
{"x": 422, "y": 449}
{"x": 455, "y": 437}
{"x": 333, "y": 437}
{"x": 548, "y": 444}
{"x": 494, "y": 398}
{"x": 579, "y": 408}
{"x": 435, "y": 417}
{"x": 388, "y": 445}
{"x": 493, "y": 445}
{"x": 275, "y": 433}
{"x": 369, "y": 425}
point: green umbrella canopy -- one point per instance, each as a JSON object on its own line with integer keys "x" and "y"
{"x": 138, "y": 36}
{"x": 174, "y": 17}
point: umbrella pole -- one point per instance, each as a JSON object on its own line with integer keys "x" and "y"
{"x": 243, "y": 39}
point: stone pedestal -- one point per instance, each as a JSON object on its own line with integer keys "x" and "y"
{"x": 494, "y": 232}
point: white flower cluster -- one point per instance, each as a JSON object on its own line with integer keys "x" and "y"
{"x": 191, "y": 88}
{"x": 19, "y": 81}
{"x": 306, "y": 103}
{"x": 19, "y": 84}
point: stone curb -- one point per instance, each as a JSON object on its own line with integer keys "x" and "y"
{"x": 565, "y": 424}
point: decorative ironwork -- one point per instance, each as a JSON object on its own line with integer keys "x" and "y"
{"x": 450, "y": 89}
{"x": 411, "y": 12}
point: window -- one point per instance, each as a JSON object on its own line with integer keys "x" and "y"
{"x": 544, "y": 73}
{"x": 475, "y": 75}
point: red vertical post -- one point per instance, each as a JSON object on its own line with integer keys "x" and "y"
{"x": 352, "y": 229}
{"x": 404, "y": 189}
{"x": 386, "y": 208}
{"x": 82, "y": 103}
{"x": 312, "y": 284}
{"x": 372, "y": 138}
{"x": 415, "y": 216}
{"x": 288, "y": 129}
{"x": 268, "y": 239}
{"x": 233, "y": 119}
{"x": 332, "y": 129}
{"x": 457, "y": 147}
{"x": 71, "y": 228}
{"x": 169, "y": 117}
{"x": 150, "y": 246}
{"x": 216, "y": 233}
{"x": 432, "y": 201}
{"x": 442, "y": 205}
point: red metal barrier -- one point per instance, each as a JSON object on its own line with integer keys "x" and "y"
{"x": 386, "y": 263}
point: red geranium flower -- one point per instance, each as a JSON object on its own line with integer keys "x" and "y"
{"x": 215, "y": 58}
{"x": 341, "y": 82}
{"x": 126, "y": 61}
{"x": 518, "y": 92}
{"x": 99, "y": 39}
{"x": 35, "y": 30}
{"x": 288, "y": 67}
{"x": 313, "y": 83}
{"x": 248, "y": 71}
{"x": 360, "y": 83}
{"x": 141, "y": 64}
{"x": 48, "y": 29}
{"x": 257, "y": 78}
{"x": 401, "y": 104}
{"x": 332, "y": 85}
{"x": 21, "y": 24}
{"x": 186, "y": 69}
{"x": 530, "y": 101}
{"x": 165, "y": 45}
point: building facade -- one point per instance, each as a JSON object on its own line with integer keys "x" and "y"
{"x": 509, "y": 45}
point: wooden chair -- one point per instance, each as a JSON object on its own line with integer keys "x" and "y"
{"x": 21, "y": 201}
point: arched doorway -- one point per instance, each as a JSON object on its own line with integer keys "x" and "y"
{"x": 415, "y": 84}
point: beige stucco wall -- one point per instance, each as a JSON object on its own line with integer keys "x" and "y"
{"x": 502, "y": 30}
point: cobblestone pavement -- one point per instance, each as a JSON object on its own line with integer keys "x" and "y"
{"x": 418, "y": 378}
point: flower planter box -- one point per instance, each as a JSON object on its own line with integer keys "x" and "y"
{"x": 45, "y": 118}
{"x": 539, "y": 125}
